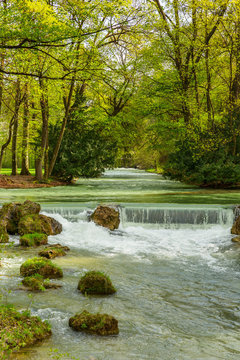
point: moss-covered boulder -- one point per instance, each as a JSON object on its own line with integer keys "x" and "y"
{"x": 28, "y": 208}
{"x": 34, "y": 239}
{"x": 9, "y": 214}
{"x": 37, "y": 282}
{"x": 106, "y": 216}
{"x": 19, "y": 329}
{"x": 41, "y": 266}
{"x": 52, "y": 251}
{"x": 39, "y": 224}
{"x": 99, "y": 324}
{"x": 96, "y": 283}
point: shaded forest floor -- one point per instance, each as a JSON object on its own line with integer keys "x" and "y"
{"x": 26, "y": 181}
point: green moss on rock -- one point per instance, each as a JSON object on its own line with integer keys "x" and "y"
{"x": 96, "y": 283}
{"x": 34, "y": 239}
{"x": 38, "y": 283}
{"x": 99, "y": 324}
{"x": 18, "y": 330}
{"x": 53, "y": 251}
{"x": 40, "y": 266}
{"x": 30, "y": 224}
{"x": 34, "y": 282}
{"x": 28, "y": 208}
{"x": 9, "y": 213}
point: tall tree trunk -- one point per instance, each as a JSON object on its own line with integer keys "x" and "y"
{"x": 45, "y": 115}
{"x": 1, "y": 79}
{"x": 10, "y": 129}
{"x": 15, "y": 129}
{"x": 25, "y": 133}
{"x": 64, "y": 123}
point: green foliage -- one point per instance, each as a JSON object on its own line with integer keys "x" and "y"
{"x": 19, "y": 329}
{"x": 86, "y": 150}
{"x": 197, "y": 160}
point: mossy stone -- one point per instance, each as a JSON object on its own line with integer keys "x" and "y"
{"x": 106, "y": 216}
{"x": 30, "y": 224}
{"x": 28, "y": 208}
{"x": 18, "y": 330}
{"x": 96, "y": 283}
{"x": 9, "y": 213}
{"x": 34, "y": 239}
{"x": 34, "y": 282}
{"x": 99, "y": 324}
{"x": 38, "y": 283}
{"x": 40, "y": 266}
{"x": 53, "y": 251}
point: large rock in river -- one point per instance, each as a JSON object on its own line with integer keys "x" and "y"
{"x": 106, "y": 216}
{"x": 10, "y": 214}
{"x": 42, "y": 224}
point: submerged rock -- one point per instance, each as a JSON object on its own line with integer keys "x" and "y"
{"x": 96, "y": 283}
{"x": 34, "y": 239}
{"x": 42, "y": 267}
{"x": 236, "y": 239}
{"x": 18, "y": 329}
{"x": 99, "y": 324}
{"x": 106, "y": 216}
{"x": 38, "y": 283}
{"x": 52, "y": 251}
{"x": 236, "y": 227}
{"x": 39, "y": 224}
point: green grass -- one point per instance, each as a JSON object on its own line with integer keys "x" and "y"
{"x": 8, "y": 171}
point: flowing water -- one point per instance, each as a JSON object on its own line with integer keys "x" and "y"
{"x": 174, "y": 266}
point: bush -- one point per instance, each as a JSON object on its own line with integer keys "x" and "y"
{"x": 210, "y": 166}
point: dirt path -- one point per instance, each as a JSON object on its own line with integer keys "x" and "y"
{"x": 25, "y": 182}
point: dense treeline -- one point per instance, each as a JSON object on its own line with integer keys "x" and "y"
{"x": 89, "y": 85}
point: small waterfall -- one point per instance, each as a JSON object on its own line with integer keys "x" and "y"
{"x": 69, "y": 213}
{"x": 177, "y": 217}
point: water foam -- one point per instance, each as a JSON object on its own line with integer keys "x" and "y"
{"x": 143, "y": 243}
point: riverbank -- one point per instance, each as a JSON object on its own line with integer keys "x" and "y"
{"x": 26, "y": 182}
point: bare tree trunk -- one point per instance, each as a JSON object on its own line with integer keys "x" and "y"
{"x": 25, "y": 133}
{"x": 15, "y": 129}
{"x": 45, "y": 115}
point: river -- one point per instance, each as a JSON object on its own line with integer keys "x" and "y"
{"x": 172, "y": 261}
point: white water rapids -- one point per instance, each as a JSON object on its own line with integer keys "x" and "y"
{"x": 177, "y": 277}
